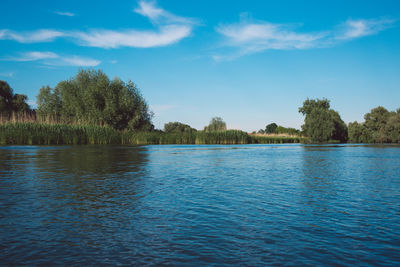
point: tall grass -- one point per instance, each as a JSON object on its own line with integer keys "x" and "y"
{"x": 34, "y": 133}
{"x": 28, "y": 133}
{"x": 268, "y": 139}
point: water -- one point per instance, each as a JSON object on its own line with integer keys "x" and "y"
{"x": 200, "y": 205}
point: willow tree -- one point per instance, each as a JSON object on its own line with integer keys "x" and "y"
{"x": 321, "y": 123}
{"x": 92, "y": 98}
{"x": 216, "y": 124}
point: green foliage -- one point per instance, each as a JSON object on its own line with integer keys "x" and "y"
{"x": 29, "y": 133}
{"x": 222, "y": 137}
{"x": 284, "y": 130}
{"x": 49, "y": 103}
{"x": 270, "y": 128}
{"x": 177, "y": 127}
{"x": 91, "y": 98}
{"x": 322, "y": 124}
{"x": 380, "y": 126}
{"x": 56, "y": 134}
{"x": 216, "y": 124}
{"x": 276, "y": 139}
{"x": 10, "y": 102}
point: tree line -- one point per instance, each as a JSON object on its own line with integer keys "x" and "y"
{"x": 91, "y": 98}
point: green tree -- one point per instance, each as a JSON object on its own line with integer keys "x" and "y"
{"x": 10, "y": 102}
{"x": 49, "y": 103}
{"x": 6, "y": 96}
{"x": 270, "y": 128}
{"x": 19, "y": 103}
{"x": 321, "y": 123}
{"x": 261, "y": 131}
{"x": 177, "y": 127}
{"x": 91, "y": 98}
{"x": 216, "y": 124}
{"x": 375, "y": 122}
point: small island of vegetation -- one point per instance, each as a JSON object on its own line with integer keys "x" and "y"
{"x": 92, "y": 109}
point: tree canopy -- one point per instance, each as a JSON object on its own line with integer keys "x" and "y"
{"x": 216, "y": 124}
{"x": 380, "y": 126}
{"x": 177, "y": 127}
{"x": 92, "y": 98}
{"x": 10, "y": 102}
{"x": 322, "y": 124}
{"x": 270, "y": 128}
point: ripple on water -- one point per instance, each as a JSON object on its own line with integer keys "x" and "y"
{"x": 200, "y": 205}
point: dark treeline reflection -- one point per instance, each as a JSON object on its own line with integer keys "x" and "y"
{"x": 92, "y": 160}
{"x": 76, "y": 198}
{"x": 92, "y": 178}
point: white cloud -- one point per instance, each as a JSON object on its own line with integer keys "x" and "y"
{"x": 266, "y": 35}
{"x": 53, "y": 59}
{"x": 352, "y": 29}
{"x": 159, "y": 15}
{"x": 33, "y": 56}
{"x": 79, "y": 61}
{"x": 67, "y": 14}
{"x": 31, "y": 37}
{"x": 170, "y": 29}
{"x": 249, "y": 37}
{"x": 113, "y": 39}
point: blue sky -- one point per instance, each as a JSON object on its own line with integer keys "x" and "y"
{"x": 249, "y": 62}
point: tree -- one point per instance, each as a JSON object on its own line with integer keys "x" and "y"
{"x": 261, "y": 131}
{"x": 375, "y": 122}
{"x": 19, "y": 103}
{"x": 91, "y": 98}
{"x": 49, "y": 103}
{"x": 321, "y": 123}
{"x": 216, "y": 124}
{"x": 6, "y": 96}
{"x": 270, "y": 128}
{"x": 177, "y": 127}
{"x": 10, "y": 102}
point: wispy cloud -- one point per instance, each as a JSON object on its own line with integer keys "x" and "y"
{"x": 33, "y": 56}
{"x": 31, "y": 37}
{"x": 251, "y": 37}
{"x": 67, "y": 14}
{"x": 53, "y": 59}
{"x": 356, "y": 28}
{"x": 113, "y": 39}
{"x": 159, "y": 15}
{"x": 169, "y": 29}
{"x": 77, "y": 61}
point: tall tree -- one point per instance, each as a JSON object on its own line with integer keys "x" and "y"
{"x": 216, "y": 124}
{"x": 90, "y": 97}
{"x": 6, "y": 96}
{"x": 321, "y": 123}
{"x": 271, "y": 128}
{"x": 10, "y": 102}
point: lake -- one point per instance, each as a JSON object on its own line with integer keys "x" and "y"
{"x": 200, "y": 205}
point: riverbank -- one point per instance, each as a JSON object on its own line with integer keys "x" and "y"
{"x": 33, "y": 133}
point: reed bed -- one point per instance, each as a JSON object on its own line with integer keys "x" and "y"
{"x": 35, "y": 133}
{"x": 266, "y": 139}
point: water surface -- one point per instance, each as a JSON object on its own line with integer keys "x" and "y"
{"x": 200, "y": 205}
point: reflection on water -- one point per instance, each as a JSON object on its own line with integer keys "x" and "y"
{"x": 200, "y": 205}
